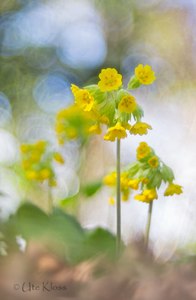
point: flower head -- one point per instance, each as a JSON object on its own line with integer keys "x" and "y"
{"x": 140, "y": 128}
{"x": 110, "y": 80}
{"x": 95, "y": 129}
{"x": 143, "y": 150}
{"x": 153, "y": 162}
{"x": 110, "y": 179}
{"x": 144, "y": 74}
{"x": 134, "y": 183}
{"x": 117, "y": 131}
{"x": 83, "y": 98}
{"x": 173, "y": 189}
{"x": 58, "y": 158}
{"x": 147, "y": 196}
{"x": 127, "y": 104}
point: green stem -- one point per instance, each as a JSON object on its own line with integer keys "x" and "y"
{"x": 148, "y": 224}
{"x": 118, "y": 195}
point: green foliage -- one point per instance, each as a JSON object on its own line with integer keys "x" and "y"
{"x": 91, "y": 188}
{"x": 60, "y": 232}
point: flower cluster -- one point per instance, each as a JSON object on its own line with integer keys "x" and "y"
{"x": 146, "y": 174}
{"x": 105, "y": 103}
{"x": 37, "y": 162}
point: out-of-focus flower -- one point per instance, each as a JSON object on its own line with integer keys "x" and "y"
{"x": 110, "y": 179}
{"x": 140, "y": 128}
{"x": 134, "y": 184}
{"x": 58, "y": 157}
{"x": 110, "y": 80}
{"x": 95, "y": 129}
{"x": 111, "y": 201}
{"x": 153, "y": 162}
{"x": 143, "y": 150}
{"x": 117, "y": 131}
{"x": 173, "y": 189}
{"x": 144, "y": 74}
{"x": 147, "y": 196}
{"x": 127, "y": 104}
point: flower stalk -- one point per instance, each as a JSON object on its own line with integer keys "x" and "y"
{"x": 148, "y": 225}
{"x": 118, "y": 196}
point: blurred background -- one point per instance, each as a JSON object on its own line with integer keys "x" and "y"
{"x": 45, "y": 46}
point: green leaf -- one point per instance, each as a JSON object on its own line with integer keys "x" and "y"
{"x": 31, "y": 221}
{"x": 91, "y": 188}
{"x": 133, "y": 83}
{"x": 99, "y": 242}
{"x": 155, "y": 181}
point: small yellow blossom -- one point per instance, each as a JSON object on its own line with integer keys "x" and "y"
{"x": 25, "y": 148}
{"x": 110, "y": 80}
{"x": 83, "y": 98}
{"x": 117, "y": 131}
{"x": 40, "y": 146}
{"x": 45, "y": 174}
{"x": 143, "y": 150}
{"x": 111, "y": 201}
{"x": 58, "y": 157}
{"x": 173, "y": 189}
{"x": 95, "y": 129}
{"x": 31, "y": 174}
{"x": 153, "y": 162}
{"x": 110, "y": 179}
{"x": 144, "y": 74}
{"x": 140, "y": 128}
{"x": 134, "y": 184}
{"x": 147, "y": 196}
{"x": 127, "y": 104}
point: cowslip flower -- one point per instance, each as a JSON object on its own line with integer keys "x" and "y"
{"x": 153, "y": 162}
{"x": 144, "y": 74}
{"x": 83, "y": 98}
{"x": 110, "y": 179}
{"x": 127, "y": 104}
{"x": 143, "y": 150}
{"x": 140, "y": 128}
{"x": 110, "y": 80}
{"x": 95, "y": 129}
{"x": 147, "y": 195}
{"x": 173, "y": 189}
{"x": 111, "y": 201}
{"x": 58, "y": 158}
{"x": 134, "y": 184}
{"x": 117, "y": 131}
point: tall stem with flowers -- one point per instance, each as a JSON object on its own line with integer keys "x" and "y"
{"x": 109, "y": 104}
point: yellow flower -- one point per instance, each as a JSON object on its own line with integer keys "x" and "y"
{"x": 35, "y": 156}
{"x": 44, "y": 174}
{"x": 111, "y": 201}
{"x": 117, "y": 131}
{"x": 40, "y": 146}
{"x": 110, "y": 80}
{"x": 127, "y": 104}
{"x": 110, "y": 179}
{"x": 83, "y": 98}
{"x": 143, "y": 150}
{"x": 25, "y": 148}
{"x": 58, "y": 157}
{"x": 134, "y": 183}
{"x": 95, "y": 129}
{"x": 147, "y": 196}
{"x": 31, "y": 175}
{"x": 140, "y": 128}
{"x": 153, "y": 162}
{"x": 144, "y": 74}
{"x": 173, "y": 189}
{"x": 124, "y": 180}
